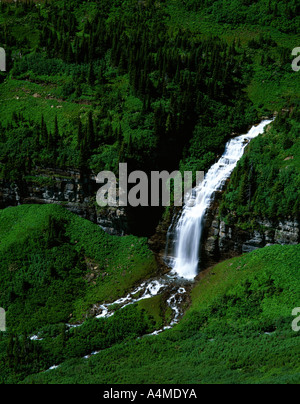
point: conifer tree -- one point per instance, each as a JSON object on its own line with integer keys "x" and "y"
{"x": 91, "y": 75}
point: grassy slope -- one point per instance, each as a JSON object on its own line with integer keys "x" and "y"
{"x": 34, "y": 100}
{"x": 44, "y": 282}
{"x": 269, "y": 87}
{"x": 238, "y": 330}
{"x": 35, "y": 96}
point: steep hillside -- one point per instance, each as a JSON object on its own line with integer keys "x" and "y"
{"x": 260, "y": 205}
{"x": 89, "y": 85}
{"x": 266, "y": 182}
{"x": 159, "y": 85}
{"x": 238, "y": 330}
{"x": 55, "y": 265}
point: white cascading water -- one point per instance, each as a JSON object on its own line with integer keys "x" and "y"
{"x": 189, "y": 228}
{"x": 187, "y": 240}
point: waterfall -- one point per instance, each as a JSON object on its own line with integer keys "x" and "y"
{"x": 187, "y": 240}
{"x": 189, "y": 227}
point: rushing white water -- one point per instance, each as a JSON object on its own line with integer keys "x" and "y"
{"x": 189, "y": 228}
{"x": 187, "y": 241}
{"x": 147, "y": 290}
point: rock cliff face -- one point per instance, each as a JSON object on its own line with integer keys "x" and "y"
{"x": 70, "y": 188}
{"x": 222, "y": 241}
{"x": 76, "y": 192}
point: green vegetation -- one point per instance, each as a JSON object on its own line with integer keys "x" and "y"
{"x": 125, "y": 86}
{"x": 281, "y": 14}
{"x": 47, "y": 255}
{"x": 238, "y": 330}
{"x": 161, "y": 85}
{"x": 266, "y": 182}
{"x": 54, "y": 267}
{"x": 89, "y": 86}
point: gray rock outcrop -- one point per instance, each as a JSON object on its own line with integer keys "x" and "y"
{"x": 70, "y": 188}
{"x": 222, "y": 241}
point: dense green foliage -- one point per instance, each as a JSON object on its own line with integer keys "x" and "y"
{"x": 168, "y": 80}
{"x": 47, "y": 254}
{"x": 151, "y": 89}
{"x": 283, "y": 15}
{"x": 161, "y": 86}
{"x": 266, "y": 182}
{"x": 238, "y": 330}
{"x": 54, "y": 267}
{"x": 243, "y": 305}
{"x": 20, "y": 356}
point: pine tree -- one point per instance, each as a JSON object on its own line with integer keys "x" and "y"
{"x": 44, "y": 132}
{"x": 79, "y": 133}
{"x": 90, "y": 132}
{"x": 56, "y": 131}
{"x": 91, "y": 75}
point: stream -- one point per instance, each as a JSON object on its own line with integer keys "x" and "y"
{"x": 186, "y": 230}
